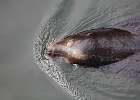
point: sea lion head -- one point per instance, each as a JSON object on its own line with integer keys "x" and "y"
{"x": 50, "y": 49}
{"x": 56, "y": 48}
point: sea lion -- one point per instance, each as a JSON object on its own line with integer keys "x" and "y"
{"x": 95, "y": 47}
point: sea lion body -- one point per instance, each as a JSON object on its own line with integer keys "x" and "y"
{"x": 95, "y": 47}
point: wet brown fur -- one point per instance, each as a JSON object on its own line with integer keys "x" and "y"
{"x": 95, "y": 47}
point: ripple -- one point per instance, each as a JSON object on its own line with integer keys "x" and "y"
{"x": 111, "y": 82}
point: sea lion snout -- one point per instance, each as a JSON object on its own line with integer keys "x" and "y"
{"x": 51, "y": 49}
{"x": 49, "y": 52}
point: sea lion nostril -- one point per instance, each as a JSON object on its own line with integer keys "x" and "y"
{"x": 48, "y": 51}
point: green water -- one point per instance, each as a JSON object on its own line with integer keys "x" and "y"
{"x": 119, "y": 81}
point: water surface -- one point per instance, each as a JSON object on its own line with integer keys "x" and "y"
{"x": 118, "y": 81}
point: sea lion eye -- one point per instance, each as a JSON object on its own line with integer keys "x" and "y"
{"x": 48, "y": 51}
